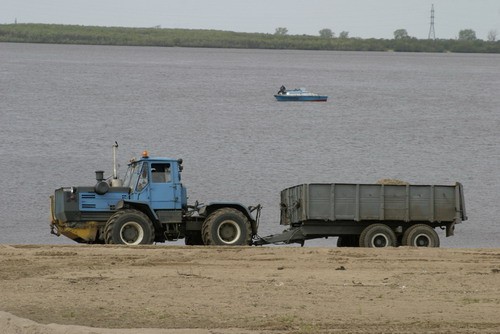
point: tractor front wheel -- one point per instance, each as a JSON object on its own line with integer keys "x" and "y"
{"x": 129, "y": 227}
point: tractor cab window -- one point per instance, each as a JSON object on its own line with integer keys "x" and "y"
{"x": 132, "y": 175}
{"x": 160, "y": 173}
{"x": 143, "y": 178}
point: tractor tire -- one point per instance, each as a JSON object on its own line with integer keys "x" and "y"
{"x": 377, "y": 235}
{"x": 129, "y": 227}
{"x": 420, "y": 235}
{"x": 227, "y": 227}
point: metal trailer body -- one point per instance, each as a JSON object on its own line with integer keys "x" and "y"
{"x": 346, "y": 210}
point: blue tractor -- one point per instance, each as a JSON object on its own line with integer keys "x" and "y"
{"x": 149, "y": 205}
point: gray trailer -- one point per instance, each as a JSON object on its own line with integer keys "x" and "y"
{"x": 369, "y": 215}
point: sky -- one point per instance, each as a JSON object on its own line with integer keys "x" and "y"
{"x": 360, "y": 18}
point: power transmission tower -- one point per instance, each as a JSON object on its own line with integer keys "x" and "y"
{"x": 432, "y": 33}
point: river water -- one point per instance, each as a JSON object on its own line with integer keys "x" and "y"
{"x": 421, "y": 118}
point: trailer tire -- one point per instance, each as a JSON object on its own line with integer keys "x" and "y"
{"x": 129, "y": 227}
{"x": 377, "y": 235}
{"x": 421, "y": 235}
{"x": 348, "y": 241}
{"x": 193, "y": 239}
{"x": 228, "y": 227}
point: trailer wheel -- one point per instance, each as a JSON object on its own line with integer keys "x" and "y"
{"x": 193, "y": 239}
{"x": 227, "y": 226}
{"x": 421, "y": 235}
{"x": 348, "y": 241}
{"x": 377, "y": 235}
{"x": 129, "y": 227}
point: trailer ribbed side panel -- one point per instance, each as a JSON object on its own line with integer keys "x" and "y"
{"x": 371, "y": 202}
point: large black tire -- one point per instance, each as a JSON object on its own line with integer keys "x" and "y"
{"x": 348, "y": 241}
{"x": 129, "y": 227}
{"x": 193, "y": 239}
{"x": 377, "y": 235}
{"x": 420, "y": 235}
{"x": 228, "y": 227}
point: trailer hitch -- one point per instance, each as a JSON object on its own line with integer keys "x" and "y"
{"x": 257, "y": 208}
{"x": 293, "y": 235}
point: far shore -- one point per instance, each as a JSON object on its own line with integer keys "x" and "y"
{"x": 165, "y": 37}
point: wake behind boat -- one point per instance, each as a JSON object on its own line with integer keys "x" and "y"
{"x": 298, "y": 94}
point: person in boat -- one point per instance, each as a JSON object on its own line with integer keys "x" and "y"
{"x": 282, "y": 90}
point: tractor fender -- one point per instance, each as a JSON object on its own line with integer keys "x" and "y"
{"x": 207, "y": 209}
{"x": 142, "y": 206}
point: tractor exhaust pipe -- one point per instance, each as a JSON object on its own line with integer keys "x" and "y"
{"x": 115, "y": 181}
{"x": 115, "y": 173}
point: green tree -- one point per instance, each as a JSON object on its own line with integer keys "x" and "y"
{"x": 344, "y": 34}
{"x": 467, "y": 35}
{"x": 326, "y": 33}
{"x": 401, "y": 34}
{"x": 281, "y": 31}
{"x": 492, "y": 36}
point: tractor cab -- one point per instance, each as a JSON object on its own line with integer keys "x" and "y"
{"x": 156, "y": 181}
{"x": 148, "y": 205}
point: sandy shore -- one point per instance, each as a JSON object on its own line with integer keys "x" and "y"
{"x": 202, "y": 290}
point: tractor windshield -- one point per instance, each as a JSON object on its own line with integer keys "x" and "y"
{"x": 132, "y": 175}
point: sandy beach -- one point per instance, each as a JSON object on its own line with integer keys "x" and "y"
{"x": 201, "y": 290}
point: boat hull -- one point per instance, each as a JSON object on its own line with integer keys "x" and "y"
{"x": 301, "y": 98}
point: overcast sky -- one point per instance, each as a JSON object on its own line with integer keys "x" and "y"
{"x": 361, "y": 18}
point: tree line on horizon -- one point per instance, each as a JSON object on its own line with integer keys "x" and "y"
{"x": 94, "y": 35}
{"x": 464, "y": 34}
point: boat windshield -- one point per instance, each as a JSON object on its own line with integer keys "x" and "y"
{"x": 132, "y": 175}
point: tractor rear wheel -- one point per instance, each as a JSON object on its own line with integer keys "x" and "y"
{"x": 129, "y": 227}
{"x": 421, "y": 235}
{"x": 377, "y": 235}
{"x": 227, "y": 226}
